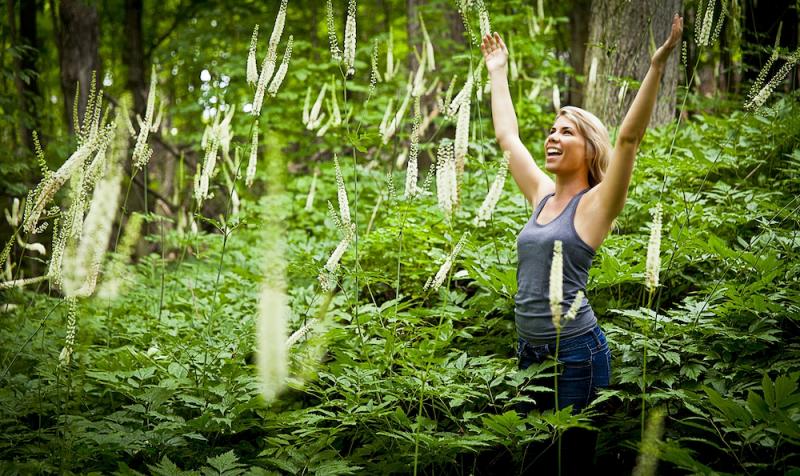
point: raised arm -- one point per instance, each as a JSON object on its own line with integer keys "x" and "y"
{"x": 526, "y": 173}
{"x": 613, "y": 190}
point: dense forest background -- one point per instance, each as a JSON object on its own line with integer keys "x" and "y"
{"x": 202, "y": 276}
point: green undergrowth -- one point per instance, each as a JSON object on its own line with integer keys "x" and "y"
{"x": 395, "y": 378}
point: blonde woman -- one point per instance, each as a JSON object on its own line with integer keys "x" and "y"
{"x": 578, "y": 208}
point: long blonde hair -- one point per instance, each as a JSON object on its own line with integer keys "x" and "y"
{"x": 598, "y": 143}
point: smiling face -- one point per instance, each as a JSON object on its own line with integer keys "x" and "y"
{"x": 565, "y": 148}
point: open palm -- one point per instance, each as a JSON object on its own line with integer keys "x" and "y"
{"x": 495, "y": 53}
{"x": 662, "y": 54}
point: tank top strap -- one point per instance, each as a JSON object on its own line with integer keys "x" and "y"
{"x": 573, "y": 203}
{"x": 541, "y": 203}
{"x": 571, "y": 206}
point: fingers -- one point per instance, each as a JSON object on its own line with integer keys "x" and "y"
{"x": 486, "y": 48}
{"x": 675, "y": 33}
{"x": 489, "y": 44}
{"x": 677, "y": 26}
{"x": 502, "y": 43}
{"x": 491, "y": 41}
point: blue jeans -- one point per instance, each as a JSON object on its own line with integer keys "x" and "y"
{"x": 584, "y": 366}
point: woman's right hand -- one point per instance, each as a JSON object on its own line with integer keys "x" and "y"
{"x": 495, "y": 53}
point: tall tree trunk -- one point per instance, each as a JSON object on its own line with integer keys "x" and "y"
{"x": 137, "y": 83}
{"x": 30, "y": 94}
{"x": 15, "y": 60}
{"x": 133, "y": 55}
{"x": 23, "y": 65}
{"x": 619, "y": 35}
{"x": 413, "y": 33}
{"x": 579, "y": 36}
{"x": 78, "y": 52}
{"x": 455, "y": 24}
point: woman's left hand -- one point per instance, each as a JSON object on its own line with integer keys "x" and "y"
{"x": 662, "y": 54}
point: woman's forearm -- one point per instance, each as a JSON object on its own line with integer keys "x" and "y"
{"x": 633, "y": 127}
{"x": 503, "y": 116}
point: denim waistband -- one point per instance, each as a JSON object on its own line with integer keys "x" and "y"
{"x": 591, "y": 337}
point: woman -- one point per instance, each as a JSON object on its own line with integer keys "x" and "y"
{"x": 578, "y": 208}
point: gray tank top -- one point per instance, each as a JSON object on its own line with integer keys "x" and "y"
{"x": 535, "y": 253}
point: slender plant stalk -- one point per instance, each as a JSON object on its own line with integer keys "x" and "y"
{"x": 123, "y": 212}
{"x": 677, "y": 242}
{"x": 355, "y": 207}
{"x": 644, "y": 361}
{"x": 27, "y": 341}
{"x": 555, "y": 403}
{"x": 163, "y": 270}
{"x": 419, "y": 415}
{"x": 483, "y": 166}
{"x": 226, "y": 232}
{"x": 399, "y": 258}
{"x": 427, "y": 367}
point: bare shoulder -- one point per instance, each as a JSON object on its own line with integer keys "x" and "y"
{"x": 546, "y": 188}
{"x": 593, "y": 218}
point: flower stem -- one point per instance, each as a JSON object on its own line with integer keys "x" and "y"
{"x": 644, "y": 363}
{"x": 555, "y": 402}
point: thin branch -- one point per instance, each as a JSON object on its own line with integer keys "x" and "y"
{"x": 172, "y": 207}
{"x": 181, "y": 15}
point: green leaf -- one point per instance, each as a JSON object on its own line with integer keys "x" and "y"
{"x": 167, "y": 468}
{"x": 334, "y": 467}
{"x": 784, "y": 388}
{"x": 757, "y": 406}
{"x": 505, "y": 424}
{"x": 225, "y": 464}
{"x": 461, "y": 361}
{"x": 672, "y": 357}
{"x": 732, "y": 411}
{"x": 692, "y": 370}
{"x": 177, "y": 370}
{"x": 769, "y": 391}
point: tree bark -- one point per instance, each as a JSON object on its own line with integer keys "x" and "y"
{"x": 137, "y": 83}
{"x": 133, "y": 55}
{"x": 12, "y": 24}
{"x": 455, "y": 24}
{"x": 78, "y": 52}
{"x": 28, "y": 37}
{"x": 619, "y": 35}
{"x": 579, "y": 36}
{"x": 25, "y": 42}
